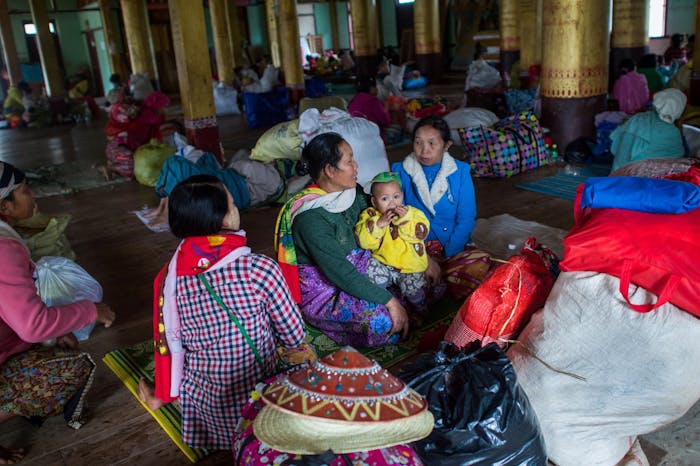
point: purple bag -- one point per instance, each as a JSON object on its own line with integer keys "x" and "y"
{"x": 513, "y": 145}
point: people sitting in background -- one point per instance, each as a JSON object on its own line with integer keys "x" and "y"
{"x": 36, "y": 381}
{"x": 631, "y": 90}
{"x": 346, "y": 61}
{"x": 116, "y": 91}
{"x": 648, "y": 67}
{"x": 395, "y": 234}
{"x": 210, "y": 354}
{"x": 366, "y": 105}
{"x": 651, "y": 134}
{"x": 681, "y": 79}
{"x": 37, "y": 108}
{"x": 675, "y": 51}
{"x": 13, "y": 106}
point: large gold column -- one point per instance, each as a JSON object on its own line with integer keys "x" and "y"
{"x": 335, "y": 35}
{"x": 234, "y": 32}
{"x": 574, "y": 66}
{"x": 530, "y": 22}
{"x": 194, "y": 74}
{"x": 53, "y": 77}
{"x": 630, "y": 34}
{"x": 138, "y": 37}
{"x": 510, "y": 34}
{"x": 272, "y": 8}
{"x": 222, "y": 44}
{"x": 364, "y": 35}
{"x": 289, "y": 47}
{"x": 426, "y": 27}
{"x": 9, "y": 49}
{"x": 115, "y": 59}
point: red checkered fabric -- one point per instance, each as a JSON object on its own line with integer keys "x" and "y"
{"x": 220, "y": 367}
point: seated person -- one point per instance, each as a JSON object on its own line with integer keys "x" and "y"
{"x": 37, "y": 381}
{"x": 648, "y": 67}
{"x": 631, "y": 90}
{"x": 395, "y": 235}
{"x": 114, "y": 94}
{"x": 204, "y": 356}
{"x": 366, "y": 105}
{"x": 316, "y": 247}
{"x": 441, "y": 187}
{"x": 651, "y": 134}
{"x": 681, "y": 79}
{"x": 37, "y": 108}
{"x": 13, "y": 106}
{"x": 675, "y": 51}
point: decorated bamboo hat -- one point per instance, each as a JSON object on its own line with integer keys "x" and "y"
{"x": 344, "y": 403}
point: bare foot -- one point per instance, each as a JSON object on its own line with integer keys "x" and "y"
{"x": 158, "y": 210}
{"x": 11, "y": 455}
{"x": 147, "y": 395}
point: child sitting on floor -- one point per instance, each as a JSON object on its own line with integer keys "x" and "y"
{"x": 219, "y": 313}
{"x": 395, "y": 235}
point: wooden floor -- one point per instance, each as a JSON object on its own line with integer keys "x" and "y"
{"x": 124, "y": 257}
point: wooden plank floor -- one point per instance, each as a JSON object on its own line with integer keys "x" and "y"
{"x": 124, "y": 256}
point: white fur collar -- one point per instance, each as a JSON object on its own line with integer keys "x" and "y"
{"x": 431, "y": 196}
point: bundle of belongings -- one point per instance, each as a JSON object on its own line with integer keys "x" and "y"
{"x": 343, "y": 409}
{"x": 513, "y": 145}
{"x": 612, "y": 355}
{"x": 225, "y": 99}
{"x": 468, "y": 117}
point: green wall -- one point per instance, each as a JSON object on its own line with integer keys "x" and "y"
{"x": 680, "y": 15}
{"x": 257, "y": 26}
{"x": 388, "y": 15}
{"x": 322, "y": 17}
{"x": 343, "y": 27}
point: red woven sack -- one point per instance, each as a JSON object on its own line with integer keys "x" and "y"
{"x": 658, "y": 252}
{"x": 500, "y": 307}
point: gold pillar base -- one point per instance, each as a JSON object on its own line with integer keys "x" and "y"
{"x": 570, "y": 119}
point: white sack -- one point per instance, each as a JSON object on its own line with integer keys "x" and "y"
{"x": 362, "y": 135}
{"x": 641, "y": 370}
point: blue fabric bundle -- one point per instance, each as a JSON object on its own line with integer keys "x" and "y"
{"x": 656, "y": 196}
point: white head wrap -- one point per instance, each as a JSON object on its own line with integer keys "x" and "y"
{"x": 669, "y": 104}
{"x": 10, "y": 179}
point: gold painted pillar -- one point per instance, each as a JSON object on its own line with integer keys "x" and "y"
{"x": 364, "y": 36}
{"x": 138, "y": 37}
{"x": 335, "y": 35}
{"x": 115, "y": 59}
{"x": 289, "y": 48}
{"x": 530, "y": 23}
{"x": 53, "y": 76}
{"x": 630, "y": 34}
{"x": 234, "y": 33}
{"x": 574, "y": 66}
{"x": 510, "y": 34}
{"x": 222, "y": 44}
{"x": 426, "y": 27}
{"x": 194, "y": 74}
{"x": 694, "y": 91}
{"x": 9, "y": 48}
{"x": 272, "y": 11}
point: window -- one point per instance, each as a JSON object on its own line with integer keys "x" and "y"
{"x": 657, "y": 18}
{"x": 406, "y": 1}
{"x": 30, "y": 29}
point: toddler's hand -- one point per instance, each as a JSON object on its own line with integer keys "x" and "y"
{"x": 386, "y": 218}
{"x": 400, "y": 211}
{"x": 105, "y": 314}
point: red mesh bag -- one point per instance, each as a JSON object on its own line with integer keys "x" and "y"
{"x": 500, "y": 307}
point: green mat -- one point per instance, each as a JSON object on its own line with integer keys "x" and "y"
{"x": 564, "y": 185}
{"x": 66, "y": 178}
{"x": 441, "y": 314}
{"x": 132, "y": 363}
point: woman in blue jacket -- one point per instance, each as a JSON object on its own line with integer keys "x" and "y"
{"x": 441, "y": 187}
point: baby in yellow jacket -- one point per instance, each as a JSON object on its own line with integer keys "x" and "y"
{"x": 395, "y": 235}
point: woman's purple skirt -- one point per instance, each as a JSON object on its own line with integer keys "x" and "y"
{"x": 344, "y": 318}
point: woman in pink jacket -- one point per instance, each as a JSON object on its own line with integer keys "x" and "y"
{"x": 36, "y": 381}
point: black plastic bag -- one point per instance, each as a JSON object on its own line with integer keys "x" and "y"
{"x": 482, "y": 416}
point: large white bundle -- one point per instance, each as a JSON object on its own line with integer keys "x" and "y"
{"x": 362, "y": 135}
{"x": 140, "y": 86}
{"x": 641, "y": 370}
{"x": 468, "y": 117}
{"x": 225, "y": 100}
